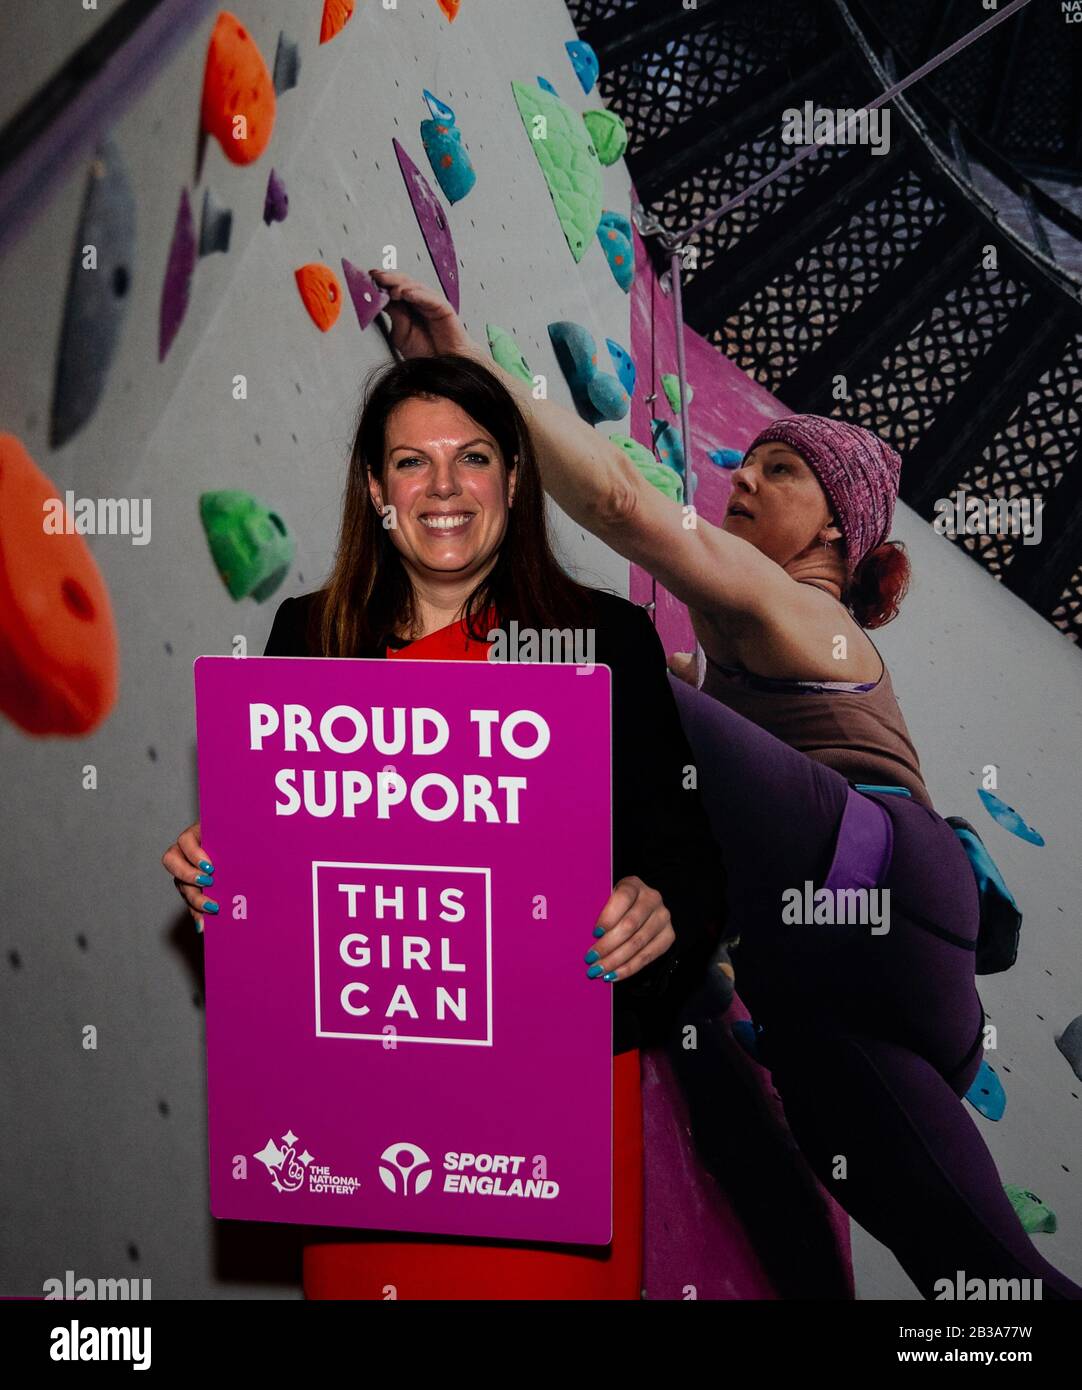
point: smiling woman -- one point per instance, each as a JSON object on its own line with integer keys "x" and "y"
{"x": 443, "y": 542}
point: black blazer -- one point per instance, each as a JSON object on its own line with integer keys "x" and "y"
{"x": 660, "y": 830}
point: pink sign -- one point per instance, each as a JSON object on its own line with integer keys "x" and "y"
{"x": 410, "y": 857}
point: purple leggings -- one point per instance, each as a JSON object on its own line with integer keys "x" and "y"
{"x": 871, "y": 1040}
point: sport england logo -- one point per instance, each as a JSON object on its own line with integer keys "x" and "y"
{"x": 405, "y": 1169}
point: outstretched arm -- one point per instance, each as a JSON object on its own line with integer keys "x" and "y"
{"x": 597, "y": 485}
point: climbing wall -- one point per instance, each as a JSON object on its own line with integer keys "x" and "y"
{"x": 105, "y": 1169}
{"x": 199, "y": 373}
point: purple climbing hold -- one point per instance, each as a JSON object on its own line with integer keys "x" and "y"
{"x": 368, "y": 298}
{"x": 177, "y": 285}
{"x": 432, "y": 221}
{"x": 276, "y": 203}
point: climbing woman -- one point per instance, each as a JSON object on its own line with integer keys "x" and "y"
{"x": 442, "y": 443}
{"x": 872, "y": 1030}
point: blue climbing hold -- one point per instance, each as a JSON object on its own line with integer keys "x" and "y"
{"x": 446, "y": 153}
{"x": 1009, "y": 818}
{"x": 625, "y": 368}
{"x": 584, "y": 61}
{"x": 439, "y": 109}
{"x": 614, "y": 234}
{"x": 598, "y": 395}
{"x": 546, "y": 86}
{"x": 987, "y": 1095}
{"x": 747, "y": 1035}
{"x": 726, "y": 458}
{"x": 668, "y": 444}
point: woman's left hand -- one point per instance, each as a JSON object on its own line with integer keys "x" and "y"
{"x": 633, "y": 929}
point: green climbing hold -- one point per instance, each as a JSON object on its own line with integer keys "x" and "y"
{"x": 671, "y": 383}
{"x": 664, "y": 478}
{"x": 1032, "y": 1212}
{"x": 608, "y": 133}
{"x": 568, "y": 160}
{"x": 250, "y": 544}
{"x": 507, "y": 353}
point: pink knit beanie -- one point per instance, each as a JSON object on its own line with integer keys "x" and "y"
{"x": 857, "y": 470}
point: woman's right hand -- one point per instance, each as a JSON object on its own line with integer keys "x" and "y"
{"x": 422, "y": 319}
{"x": 192, "y": 873}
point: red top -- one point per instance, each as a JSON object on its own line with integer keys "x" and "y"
{"x": 450, "y": 643}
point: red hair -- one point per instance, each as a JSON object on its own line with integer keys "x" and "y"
{"x": 876, "y": 590}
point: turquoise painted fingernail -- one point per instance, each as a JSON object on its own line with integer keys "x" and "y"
{"x": 207, "y": 868}
{"x": 594, "y": 971}
{"x": 610, "y": 976}
{"x": 208, "y": 906}
{"x": 203, "y": 880}
{"x": 199, "y": 926}
{"x": 599, "y": 931}
{"x": 591, "y": 956}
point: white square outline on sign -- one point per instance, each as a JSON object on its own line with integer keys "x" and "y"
{"x": 318, "y": 864}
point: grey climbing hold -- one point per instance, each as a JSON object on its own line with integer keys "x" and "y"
{"x": 1069, "y": 1043}
{"x": 97, "y": 298}
{"x": 287, "y": 65}
{"x": 216, "y": 226}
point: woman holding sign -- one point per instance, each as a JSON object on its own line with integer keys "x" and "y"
{"x": 444, "y": 546}
{"x": 872, "y": 1029}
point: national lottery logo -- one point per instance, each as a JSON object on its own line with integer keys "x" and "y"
{"x": 285, "y": 1166}
{"x": 405, "y": 1169}
{"x": 288, "y": 1170}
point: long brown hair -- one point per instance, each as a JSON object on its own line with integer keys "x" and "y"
{"x": 369, "y": 594}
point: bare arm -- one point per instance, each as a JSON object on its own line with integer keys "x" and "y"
{"x": 598, "y": 486}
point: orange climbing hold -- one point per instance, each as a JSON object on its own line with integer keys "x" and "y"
{"x": 58, "y": 642}
{"x": 321, "y": 293}
{"x": 336, "y": 15}
{"x": 238, "y": 92}
{"x": 450, "y": 8}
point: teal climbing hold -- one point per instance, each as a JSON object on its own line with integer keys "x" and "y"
{"x": 598, "y": 395}
{"x": 446, "y": 153}
{"x": 671, "y": 385}
{"x": 608, "y": 133}
{"x": 507, "y": 353}
{"x": 661, "y": 476}
{"x": 584, "y": 61}
{"x": 726, "y": 458}
{"x": 1035, "y": 1216}
{"x": 546, "y": 86}
{"x": 568, "y": 161}
{"x": 1009, "y": 818}
{"x": 439, "y": 109}
{"x": 614, "y": 234}
{"x": 250, "y": 544}
{"x": 625, "y": 367}
{"x": 987, "y": 1095}
{"x": 668, "y": 444}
